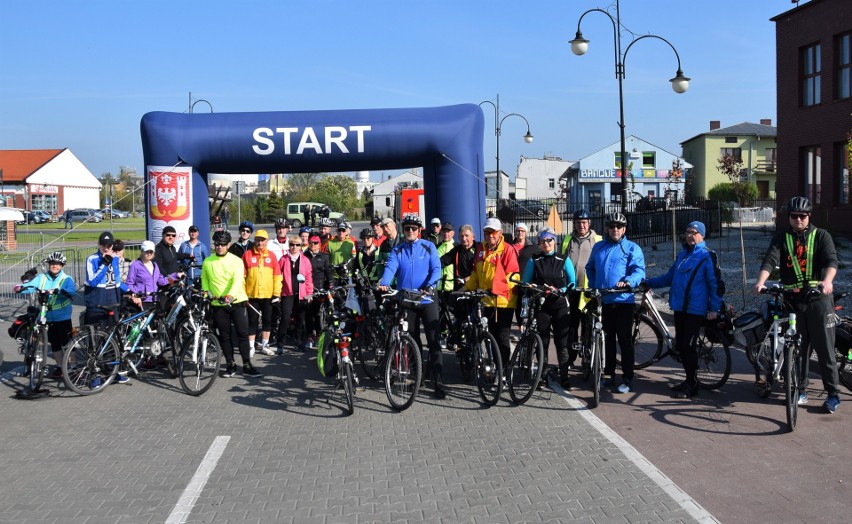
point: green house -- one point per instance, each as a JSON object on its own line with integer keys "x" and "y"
{"x": 754, "y": 144}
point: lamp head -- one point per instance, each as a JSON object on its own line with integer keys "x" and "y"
{"x": 680, "y": 83}
{"x": 528, "y": 138}
{"x": 579, "y": 45}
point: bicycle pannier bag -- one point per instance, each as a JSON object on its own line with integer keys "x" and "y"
{"x": 326, "y": 356}
{"x": 749, "y": 329}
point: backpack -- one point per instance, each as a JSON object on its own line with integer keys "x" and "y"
{"x": 326, "y": 356}
{"x": 717, "y": 270}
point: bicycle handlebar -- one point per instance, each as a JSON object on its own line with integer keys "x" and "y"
{"x": 777, "y": 289}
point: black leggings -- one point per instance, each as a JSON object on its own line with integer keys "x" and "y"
{"x": 429, "y": 314}
{"x": 225, "y": 317}
{"x": 500, "y": 325}
{"x": 618, "y": 324}
{"x": 687, "y": 327}
{"x": 261, "y": 310}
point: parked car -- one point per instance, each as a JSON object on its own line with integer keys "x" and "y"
{"x": 530, "y": 209}
{"x": 31, "y": 217}
{"x": 296, "y": 213}
{"x": 45, "y": 216}
{"x": 116, "y": 213}
{"x": 85, "y": 215}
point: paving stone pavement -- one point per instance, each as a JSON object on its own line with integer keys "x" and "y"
{"x": 128, "y": 453}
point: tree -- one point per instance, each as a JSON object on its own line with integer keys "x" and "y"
{"x": 300, "y": 186}
{"x": 732, "y": 167}
{"x": 274, "y": 207}
{"x": 339, "y": 192}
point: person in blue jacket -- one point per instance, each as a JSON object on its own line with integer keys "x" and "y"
{"x": 103, "y": 280}
{"x": 616, "y": 262}
{"x": 415, "y": 265}
{"x": 59, "y": 304}
{"x": 550, "y": 268}
{"x": 693, "y": 298}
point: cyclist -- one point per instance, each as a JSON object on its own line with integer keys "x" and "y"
{"x": 808, "y": 260}
{"x": 59, "y": 305}
{"x": 415, "y": 265}
{"x": 196, "y": 249}
{"x": 461, "y": 257}
{"x": 392, "y": 237}
{"x": 166, "y": 254}
{"x": 494, "y": 265}
{"x": 278, "y": 245}
{"x": 263, "y": 287}
{"x": 244, "y": 243}
{"x": 551, "y": 269}
{"x": 617, "y": 262}
{"x": 445, "y": 245}
{"x": 376, "y": 225}
{"x": 526, "y": 250}
{"x": 322, "y": 279}
{"x": 341, "y": 249}
{"x": 296, "y": 291}
{"x": 324, "y": 233}
{"x": 304, "y": 236}
{"x": 693, "y": 298}
{"x": 577, "y": 247}
{"x": 368, "y": 255}
{"x": 103, "y": 280}
{"x": 223, "y": 276}
{"x": 434, "y": 234}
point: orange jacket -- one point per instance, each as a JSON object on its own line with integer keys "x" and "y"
{"x": 263, "y": 274}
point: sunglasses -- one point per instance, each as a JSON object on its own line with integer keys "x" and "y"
{"x": 220, "y": 244}
{"x": 545, "y": 240}
{"x": 615, "y": 226}
{"x": 245, "y": 230}
{"x": 169, "y": 235}
{"x": 799, "y": 216}
{"x": 410, "y": 228}
{"x": 314, "y": 241}
{"x": 293, "y": 244}
{"x": 691, "y": 233}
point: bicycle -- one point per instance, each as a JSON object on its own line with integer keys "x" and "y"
{"x": 35, "y": 341}
{"x": 338, "y": 335}
{"x": 200, "y": 352}
{"x": 478, "y": 350}
{"x": 653, "y": 341}
{"x": 93, "y": 356}
{"x": 403, "y": 371}
{"x": 529, "y": 359}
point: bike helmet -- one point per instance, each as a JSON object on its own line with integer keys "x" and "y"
{"x": 282, "y": 222}
{"x": 222, "y": 237}
{"x": 799, "y": 204}
{"x": 367, "y": 232}
{"x": 617, "y": 218}
{"x": 305, "y": 229}
{"x": 56, "y": 258}
{"x": 582, "y": 214}
{"x": 375, "y": 221}
{"x": 246, "y": 223}
{"x": 412, "y": 220}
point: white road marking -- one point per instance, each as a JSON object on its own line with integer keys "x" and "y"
{"x": 193, "y": 490}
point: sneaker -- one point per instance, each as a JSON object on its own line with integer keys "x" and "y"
{"x": 95, "y": 383}
{"x": 249, "y": 371}
{"x": 57, "y": 374}
{"x": 607, "y": 381}
{"x": 565, "y": 383}
{"x": 440, "y": 392}
{"x": 266, "y": 351}
{"x": 149, "y": 364}
{"x": 803, "y": 399}
{"x": 680, "y": 387}
{"x": 230, "y": 369}
{"x": 687, "y": 391}
{"x": 831, "y": 403}
{"x": 625, "y": 386}
{"x": 251, "y": 353}
{"x": 121, "y": 378}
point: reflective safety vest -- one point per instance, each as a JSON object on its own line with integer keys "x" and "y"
{"x": 802, "y": 281}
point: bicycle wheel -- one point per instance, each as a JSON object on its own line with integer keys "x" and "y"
{"x": 348, "y": 383}
{"x": 464, "y": 354}
{"x": 370, "y": 350}
{"x": 597, "y": 367}
{"x": 37, "y": 356}
{"x": 844, "y": 369}
{"x": 403, "y": 371}
{"x": 91, "y": 361}
{"x": 525, "y": 367}
{"x": 714, "y": 363}
{"x": 647, "y": 342}
{"x": 199, "y": 366}
{"x": 791, "y": 383}
{"x": 489, "y": 368}
{"x": 170, "y": 351}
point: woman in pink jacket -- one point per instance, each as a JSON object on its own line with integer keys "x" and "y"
{"x": 296, "y": 290}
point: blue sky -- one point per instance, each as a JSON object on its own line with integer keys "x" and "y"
{"x": 81, "y": 74}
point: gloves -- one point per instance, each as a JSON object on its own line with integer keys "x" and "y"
{"x": 107, "y": 259}
{"x": 18, "y": 288}
{"x": 276, "y": 300}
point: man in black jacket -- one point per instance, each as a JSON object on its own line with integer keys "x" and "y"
{"x": 166, "y": 255}
{"x": 321, "y": 267}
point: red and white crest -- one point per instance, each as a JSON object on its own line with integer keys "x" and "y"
{"x": 168, "y": 193}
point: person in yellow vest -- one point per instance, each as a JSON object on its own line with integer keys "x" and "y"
{"x": 807, "y": 259}
{"x": 263, "y": 287}
{"x": 577, "y": 247}
{"x": 59, "y": 312}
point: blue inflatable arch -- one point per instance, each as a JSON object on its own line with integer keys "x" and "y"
{"x": 181, "y": 149}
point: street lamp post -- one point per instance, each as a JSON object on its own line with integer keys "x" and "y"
{"x": 192, "y": 104}
{"x": 580, "y": 45}
{"x": 498, "y": 127}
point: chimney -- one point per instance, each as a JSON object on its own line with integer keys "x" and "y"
{"x": 766, "y": 121}
{"x": 715, "y": 124}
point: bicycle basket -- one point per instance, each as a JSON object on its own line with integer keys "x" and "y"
{"x": 326, "y": 356}
{"x": 749, "y": 329}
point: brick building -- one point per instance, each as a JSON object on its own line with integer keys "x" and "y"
{"x": 814, "y": 83}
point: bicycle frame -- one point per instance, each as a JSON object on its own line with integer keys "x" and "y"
{"x": 648, "y": 306}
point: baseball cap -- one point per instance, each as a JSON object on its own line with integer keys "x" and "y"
{"x": 387, "y": 220}
{"x": 375, "y": 220}
{"x": 314, "y": 237}
{"x": 106, "y": 239}
{"x": 261, "y": 233}
{"x": 147, "y": 246}
{"x": 436, "y": 221}
{"x": 546, "y": 234}
{"x": 169, "y": 229}
{"x": 193, "y": 228}
{"x": 493, "y": 224}
{"x": 447, "y": 227}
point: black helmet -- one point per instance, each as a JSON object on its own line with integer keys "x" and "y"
{"x": 282, "y": 222}
{"x": 412, "y": 220}
{"x": 799, "y": 204}
{"x": 581, "y": 214}
{"x": 616, "y": 218}
{"x": 367, "y": 232}
{"x": 375, "y": 220}
{"x": 222, "y": 237}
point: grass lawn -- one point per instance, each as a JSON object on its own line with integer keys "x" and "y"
{"x": 128, "y": 229}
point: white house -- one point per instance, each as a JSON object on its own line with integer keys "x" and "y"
{"x": 540, "y": 176}
{"x": 383, "y": 190}
{"x": 50, "y": 180}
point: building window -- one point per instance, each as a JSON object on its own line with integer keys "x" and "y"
{"x": 730, "y": 140}
{"x": 844, "y": 66}
{"x": 735, "y": 152}
{"x": 617, "y": 161}
{"x": 811, "y": 69}
{"x": 812, "y": 169}
{"x": 649, "y": 159}
{"x": 551, "y": 183}
{"x": 43, "y": 203}
{"x": 843, "y": 172}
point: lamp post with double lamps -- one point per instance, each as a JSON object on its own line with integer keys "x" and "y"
{"x": 498, "y": 127}
{"x": 580, "y": 45}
